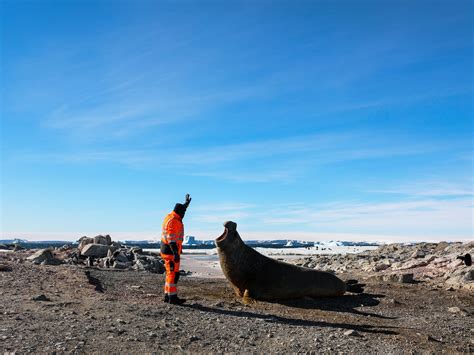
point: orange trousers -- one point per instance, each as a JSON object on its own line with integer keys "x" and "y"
{"x": 172, "y": 274}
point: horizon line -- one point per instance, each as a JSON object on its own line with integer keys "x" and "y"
{"x": 248, "y": 236}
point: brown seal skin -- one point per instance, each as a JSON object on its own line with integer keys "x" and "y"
{"x": 257, "y": 276}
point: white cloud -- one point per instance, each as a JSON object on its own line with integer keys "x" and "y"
{"x": 425, "y": 218}
{"x": 404, "y": 218}
{"x": 264, "y": 160}
{"x": 432, "y": 188}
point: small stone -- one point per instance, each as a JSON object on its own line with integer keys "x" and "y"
{"x": 351, "y": 332}
{"x": 405, "y": 278}
{"x": 381, "y": 267}
{"x": 454, "y": 310}
{"x": 392, "y": 301}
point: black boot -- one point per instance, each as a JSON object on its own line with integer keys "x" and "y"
{"x": 167, "y": 298}
{"x": 174, "y": 299}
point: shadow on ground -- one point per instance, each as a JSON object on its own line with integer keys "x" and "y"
{"x": 346, "y": 303}
{"x": 292, "y": 321}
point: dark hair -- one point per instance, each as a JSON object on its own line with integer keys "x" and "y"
{"x": 180, "y": 209}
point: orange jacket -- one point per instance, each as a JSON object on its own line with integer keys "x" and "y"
{"x": 173, "y": 231}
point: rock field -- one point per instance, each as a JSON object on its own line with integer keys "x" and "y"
{"x": 57, "y": 302}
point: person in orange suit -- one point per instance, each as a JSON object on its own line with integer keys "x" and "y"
{"x": 171, "y": 247}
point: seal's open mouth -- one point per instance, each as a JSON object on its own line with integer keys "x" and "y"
{"x": 223, "y": 236}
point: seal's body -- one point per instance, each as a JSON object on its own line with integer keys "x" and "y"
{"x": 257, "y": 276}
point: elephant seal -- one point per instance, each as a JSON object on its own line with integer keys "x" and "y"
{"x": 259, "y": 277}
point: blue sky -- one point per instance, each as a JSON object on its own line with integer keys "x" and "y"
{"x": 309, "y": 119}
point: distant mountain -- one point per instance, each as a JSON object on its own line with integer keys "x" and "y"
{"x": 13, "y": 241}
{"x": 190, "y": 242}
{"x": 340, "y": 243}
{"x": 133, "y": 242}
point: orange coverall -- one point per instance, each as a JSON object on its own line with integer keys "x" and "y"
{"x": 173, "y": 232}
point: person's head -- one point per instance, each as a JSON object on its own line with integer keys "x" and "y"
{"x": 180, "y": 209}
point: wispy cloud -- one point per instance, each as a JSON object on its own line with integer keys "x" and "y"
{"x": 291, "y": 157}
{"x": 431, "y": 188}
{"x": 424, "y": 219}
{"x": 431, "y": 217}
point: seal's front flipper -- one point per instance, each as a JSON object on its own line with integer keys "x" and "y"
{"x": 247, "y": 298}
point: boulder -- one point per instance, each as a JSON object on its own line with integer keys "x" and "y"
{"x": 84, "y": 241}
{"x": 150, "y": 264}
{"x": 43, "y": 256}
{"x": 441, "y": 246}
{"x": 95, "y": 250}
{"x": 157, "y": 266}
{"x": 121, "y": 257}
{"x": 119, "y": 265}
{"x": 103, "y": 239}
{"x": 139, "y": 265}
{"x": 418, "y": 254}
{"x": 116, "y": 245}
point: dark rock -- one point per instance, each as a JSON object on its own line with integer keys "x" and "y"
{"x": 405, "y": 278}
{"x": 121, "y": 266}
{"x": 136, "y": 250}
{"x": 5, "y": 268}
{"x": 4, "y": 247}
{"x": 41, "y": 298}
{"x": 121, "y": 257}
{"x": 18, "y": 247}
{"x": 103, "y": 239}
{"x": 469, "y": 276}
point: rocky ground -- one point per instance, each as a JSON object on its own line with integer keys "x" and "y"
{"x": 74, "y": 308}
{"x": 441, "y": 265}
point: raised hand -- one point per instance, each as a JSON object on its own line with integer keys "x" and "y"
{"x": 188, "y": 200}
